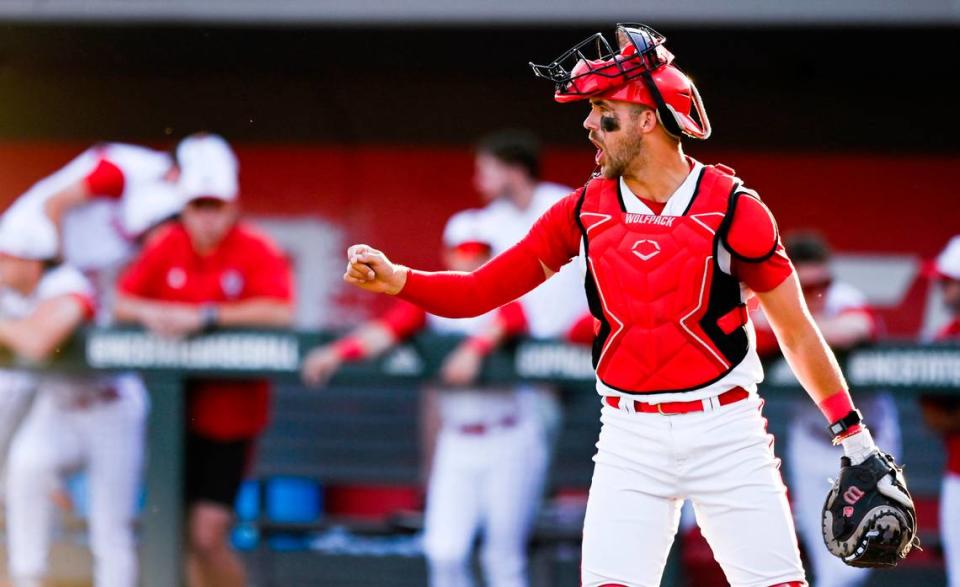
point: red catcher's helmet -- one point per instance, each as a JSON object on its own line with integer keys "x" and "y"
{"x": 641, "y": 71}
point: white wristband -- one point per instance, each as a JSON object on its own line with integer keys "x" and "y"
{"x": 857, "y": 447}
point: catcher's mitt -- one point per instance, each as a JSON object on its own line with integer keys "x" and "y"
{"x": 869, "y": 519}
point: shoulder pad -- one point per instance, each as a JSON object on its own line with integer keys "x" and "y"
{"x": 724, "y": 169}
{"x": 752, "y": 234}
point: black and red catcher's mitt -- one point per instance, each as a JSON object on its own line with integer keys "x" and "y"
{"x": 869, "y": 519}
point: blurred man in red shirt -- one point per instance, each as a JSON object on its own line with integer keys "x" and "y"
{"x": 208, "y": 271}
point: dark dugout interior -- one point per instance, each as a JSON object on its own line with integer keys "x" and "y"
{"x": 810, "y": 89}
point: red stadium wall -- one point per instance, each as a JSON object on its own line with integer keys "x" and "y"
{"x": 400, "y": 197}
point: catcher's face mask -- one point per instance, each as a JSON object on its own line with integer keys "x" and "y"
{"x": 640, "y": 71}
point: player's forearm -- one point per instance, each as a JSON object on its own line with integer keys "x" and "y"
{"x": 15, "y": 335}
{"x": 37, "y": 337}
{"x": 813, "y": 363}
{"x": 460, "y": 295}
{"x": 263, "y": 312}
{"x": 129, "y": 308}
{"x": 487, "y": 340}
{"x": 370, "y": 340}
{"x": 61, "y": 202}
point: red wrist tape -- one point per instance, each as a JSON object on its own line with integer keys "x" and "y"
{"x": 350, "y": 349}
{"x": 836, "y": 407}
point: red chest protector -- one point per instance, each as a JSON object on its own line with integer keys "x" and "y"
{"x": 671, "y": 320}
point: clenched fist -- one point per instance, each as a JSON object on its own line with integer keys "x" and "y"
{"x": 369, "y": 269}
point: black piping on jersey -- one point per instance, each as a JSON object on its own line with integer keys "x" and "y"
{"x": 696, "y": 191}
{"x": 724, "y": 230}
{"x": 590, "y": 285}
{"x": 623, "y": 205}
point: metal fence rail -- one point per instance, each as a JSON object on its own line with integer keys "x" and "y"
{"x": 908, "y": 369}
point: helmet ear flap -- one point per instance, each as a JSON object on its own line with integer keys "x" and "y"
{"x": 665, "y": 113}
{"x": 672, "y": 122}
{"x": 668, "y": 120}
{"x": 701, "y": 112}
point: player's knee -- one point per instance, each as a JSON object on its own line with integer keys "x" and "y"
{"x": 111, "y": 537}
{"x": 206, "y": 541}
{"x": 209, "y": 530}
{"x": 503, "y": 561}
{"x": 31, "y": 476}
{"x": 442, "y": 555}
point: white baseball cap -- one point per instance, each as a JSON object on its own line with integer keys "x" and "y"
{"x": 208, "y": 168}
{"x": 145, "y": 206}
{"x": 464, "y": 230}
{"x": 28, "y": 235}
{"x": 948, "y": 262}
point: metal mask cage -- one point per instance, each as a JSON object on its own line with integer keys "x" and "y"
{"x": 639, "y": 49}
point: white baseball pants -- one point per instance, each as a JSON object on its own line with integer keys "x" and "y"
{"x": 949, "y": 528}
{"x": 16, "y": 392}
{"x": 723, "y": 461}
{"x": 490, "y": 482}
{"x": 105, "y": 438}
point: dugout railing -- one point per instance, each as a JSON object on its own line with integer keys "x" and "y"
{"x": 906, "y": 369}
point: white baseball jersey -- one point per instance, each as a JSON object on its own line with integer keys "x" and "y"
{"x": 100, "y": 233}
{"x": 554, "y": 306}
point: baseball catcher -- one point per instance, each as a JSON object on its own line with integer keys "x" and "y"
{"x": 868, "y": 518}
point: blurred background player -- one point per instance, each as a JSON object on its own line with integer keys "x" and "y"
{"x": 104, "y": 200}
{"x": 844, "y": 317}
{"x": 206, "y": 271}
{"x": 492, "y": 448}
{"x": 507, "y": 169}
{"x": 99, "y": 208}
{"x": 942, "y": 414}
{"x": 101, "y": 204}
{"x": 91, "y": 421}
{"x": 508, "y": 175}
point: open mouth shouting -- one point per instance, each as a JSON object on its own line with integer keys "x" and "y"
{"x": 598, "y": 158}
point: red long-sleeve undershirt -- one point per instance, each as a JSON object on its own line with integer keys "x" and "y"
{"x": 555, "y": 239}
{"x": 456, "y": 294}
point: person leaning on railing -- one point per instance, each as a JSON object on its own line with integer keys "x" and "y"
{"x": 207, "y": 271}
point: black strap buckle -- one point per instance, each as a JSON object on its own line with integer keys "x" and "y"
{"x": 845, "y": 423}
